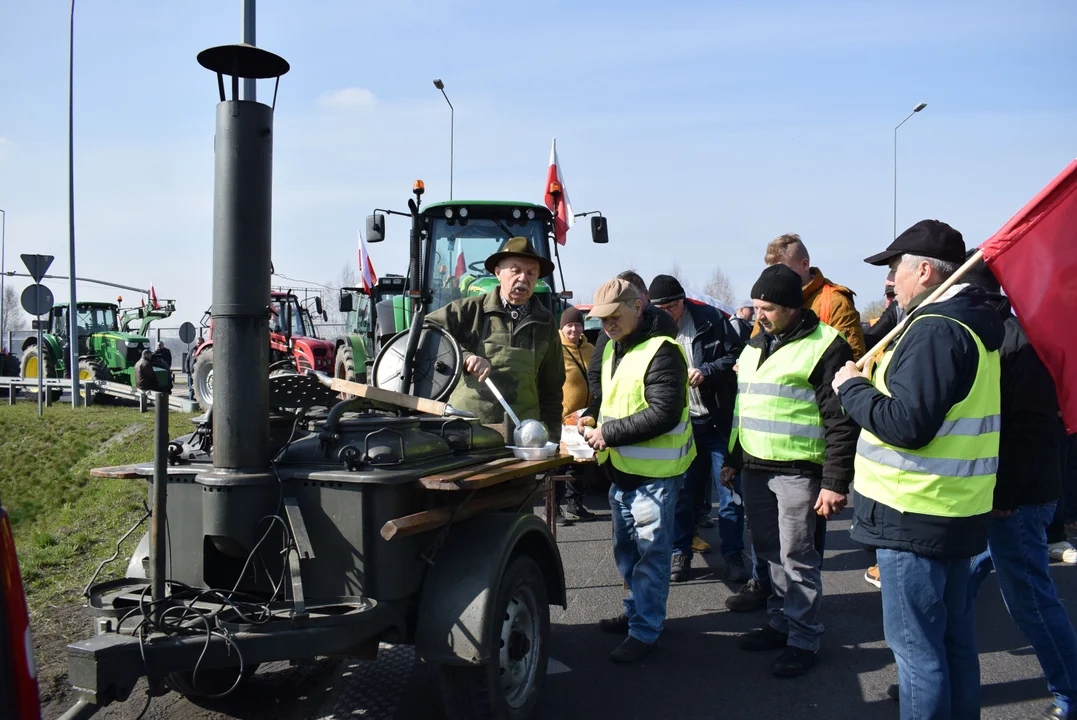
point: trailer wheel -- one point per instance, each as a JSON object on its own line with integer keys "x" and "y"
{"x": 203, "y": 379}
{"x": 507, "y": 686}
{"x": 210, "y": 682}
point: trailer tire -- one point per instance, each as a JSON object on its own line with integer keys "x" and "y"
{"x": 508, "y": 684}
{"x": 211, "y": 682}
{"x": 203, "y": 379}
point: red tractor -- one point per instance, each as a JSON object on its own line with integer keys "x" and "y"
{"x": 294, "y": 346}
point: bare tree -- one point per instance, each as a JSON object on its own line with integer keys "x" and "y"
{"x": 14, "y": 318}
{"x": 346, "y": 278}
{"x": 720, "y": 287}
{"x": 873, "y": 310}
{"x": 675, "y": 271}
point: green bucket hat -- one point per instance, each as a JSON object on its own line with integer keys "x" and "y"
{"x": 519, "y": 247}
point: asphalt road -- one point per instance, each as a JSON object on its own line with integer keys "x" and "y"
{"x": 696, "y": 672}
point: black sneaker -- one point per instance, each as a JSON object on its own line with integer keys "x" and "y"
{"x": 681, "y": 568}
{"x": 615, "y": 625}
{"x": 737, "y": 571}
{"x": 631, "y": 650}
{"x": 749, "y": 598}
{"x": 793, "y": 662}
{"x": 560, "y": 518}
{"x": 765, "y": 638}
{"x": 576, "y": 511}
{"x": 705, "y": 521}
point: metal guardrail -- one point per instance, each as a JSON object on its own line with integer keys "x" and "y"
{"x": 143, "y": 397}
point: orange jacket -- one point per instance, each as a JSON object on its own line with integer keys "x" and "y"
{"x": 834, "y": 306}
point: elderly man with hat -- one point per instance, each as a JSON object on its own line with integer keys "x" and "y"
{"x": 925, "y": 468}
{"x": 711, "y": 350}
{"x": 644, "y": 434}
{"x": 509, "y": 336}
{"x": 794, "y": 447}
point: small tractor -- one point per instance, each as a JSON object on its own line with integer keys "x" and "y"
{"x": 107, "y": 347}
{"x": 364, "y": 337}
{"x": 294, "y": 346}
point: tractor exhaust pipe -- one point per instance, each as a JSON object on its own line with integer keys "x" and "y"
{"x": 241, "y": 488}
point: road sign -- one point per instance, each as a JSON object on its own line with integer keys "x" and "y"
{"x": 186, "y": 333}
{"x": 37, "y": 299}
{"x": 37, "y": 265}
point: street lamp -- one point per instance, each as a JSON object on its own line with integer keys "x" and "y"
{"x": 3, "y": 243}
{"x": 918, "y": 108}
{"x": 452, "y": 131}
{"x": 72, "y": 314}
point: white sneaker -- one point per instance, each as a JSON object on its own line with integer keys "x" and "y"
{"x": 1063, "y": 552}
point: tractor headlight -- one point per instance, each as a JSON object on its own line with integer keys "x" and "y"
{"x": 448, "y": 213}
{"x": 530, "y": 214}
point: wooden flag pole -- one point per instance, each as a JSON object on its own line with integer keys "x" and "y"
{"x": 873, "y": 354}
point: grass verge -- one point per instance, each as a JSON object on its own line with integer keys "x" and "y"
{"x": 65, "y": 521}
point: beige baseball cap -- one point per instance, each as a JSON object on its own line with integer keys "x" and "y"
{"x": 611, "y": 295}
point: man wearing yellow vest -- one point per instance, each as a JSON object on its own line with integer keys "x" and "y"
{"x": 644, "y": 435}
{"x": 925, "y": 468}
{"x": 795, "y": 449}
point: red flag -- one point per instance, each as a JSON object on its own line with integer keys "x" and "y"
{"x": 557, "y": 198}
{"x": 461, "y": 266}
{"x": 366, "y": 267}
{"x": 153, "y": 299}
{"x": 1034, "y": 256}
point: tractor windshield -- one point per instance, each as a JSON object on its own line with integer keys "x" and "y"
{"x": 460, "y": 251}
{"x": 358, "y": 320}
{"x": 285, "y": 311}
{"x": 94, "y": 319}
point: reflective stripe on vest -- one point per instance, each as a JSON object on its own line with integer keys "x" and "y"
{"x": 667, "y": 455}
{"x": 954, "y": 474}
{"x": 776, "y": 415}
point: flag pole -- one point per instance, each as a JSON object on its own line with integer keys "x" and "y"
{"x": 872, "y": 355}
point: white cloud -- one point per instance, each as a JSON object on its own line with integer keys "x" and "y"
{"x": 348, "y": 98}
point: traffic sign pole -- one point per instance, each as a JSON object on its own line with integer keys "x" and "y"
{"x": 40, "y": 371}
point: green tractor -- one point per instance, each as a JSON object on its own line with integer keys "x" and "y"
{"x": 107, "y": 346}
{"x": 356, "y": 349}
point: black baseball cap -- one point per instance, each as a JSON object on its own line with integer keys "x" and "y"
{"x": 929, "y": 238}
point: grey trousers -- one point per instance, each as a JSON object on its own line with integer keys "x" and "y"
{"x": 780, "y": 511}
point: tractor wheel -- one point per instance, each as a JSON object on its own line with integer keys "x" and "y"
{"x": 345, "y": 367}
{"x": 507, "y": 686}
{"x": 30, "y": 359}
{"x": 209, "y": 683}
{"x": 94, "y": 369}
{"x": 203, "y": 379}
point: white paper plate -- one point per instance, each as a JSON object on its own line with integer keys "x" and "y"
{"x": 534, "y": 453}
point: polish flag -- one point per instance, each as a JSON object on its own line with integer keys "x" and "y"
{"x": 461, "y": 266}
{"x": 366, "y": 267}
{"x": 1034, "y": 257}
{"x": 557, "y": 198}
{"x": 153, "y": 299}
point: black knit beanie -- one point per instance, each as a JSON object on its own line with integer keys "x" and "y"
{"x": 779, "y": 285}
{"x": 665, "y": 289}
{"x": 571, "y": 315}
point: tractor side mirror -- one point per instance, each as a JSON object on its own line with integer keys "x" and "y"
{"x": 57, "y": 312}
{"x": 325, "y": 316}
{"x": 346, "y": 303}
{"x": 318, "y": 305}
{"x": 599, "y": 231}
{"x": 375, "y": 228}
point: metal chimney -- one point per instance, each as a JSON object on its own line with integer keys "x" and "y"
{"x": 242, "y": 213}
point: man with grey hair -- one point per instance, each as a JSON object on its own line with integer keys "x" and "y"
{"x": 925, "y": 467}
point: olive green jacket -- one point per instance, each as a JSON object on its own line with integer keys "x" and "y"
{"x": 527, "y": 365}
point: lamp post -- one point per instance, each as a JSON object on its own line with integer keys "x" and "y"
{"x": 72, "y": 313}
{"x": 3, "y": 255}
{"x": 452, "y": 131}
{"x": 918, "y": 108}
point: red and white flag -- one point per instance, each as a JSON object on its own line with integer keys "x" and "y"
{"x": 557, "y": 198}
{"x": 461, "y": 265}
{"x": 1034, "y": 257}
{"x": 153, "y": 299}
{"x": 366, "y": 267}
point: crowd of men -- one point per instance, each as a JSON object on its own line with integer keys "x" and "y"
{"x": 951, "y": 438}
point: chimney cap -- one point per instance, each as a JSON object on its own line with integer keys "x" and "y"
{"x": 243, "y": 61}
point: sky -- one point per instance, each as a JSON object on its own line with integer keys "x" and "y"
{"x": 701, "y": 130}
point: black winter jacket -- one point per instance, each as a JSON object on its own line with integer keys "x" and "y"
{"x": 665, "y": 388}
{"x": 1029, "y": 462}
{"x": 886, "y": 322}
{"x": 933, "y": 368}
{"x": 840, "y": 432}
{"x": 666, "y": 326}
{"x": 741, "y": 328}
{"x": 715, "y": 350}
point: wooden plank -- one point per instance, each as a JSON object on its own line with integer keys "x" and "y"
{"x": 376, "y": 394}
{"x": 439, "y": 517}
{"x": 433, "y": 482}
{"x": 125, "y": 472}
{"x": 494, "y": 473}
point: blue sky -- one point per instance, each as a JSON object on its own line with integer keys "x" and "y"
{"x": 701, "y": 130}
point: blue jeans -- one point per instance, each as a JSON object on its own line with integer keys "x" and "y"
{"x": 642, "y": 549}
{"x": 928, "y": 624}
{"x": 1017, "y": 549}
{"x": 710, "y": 453}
